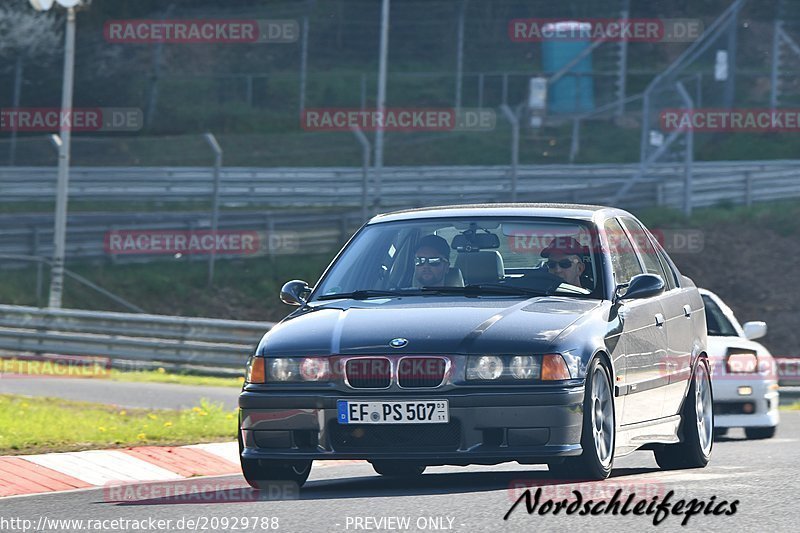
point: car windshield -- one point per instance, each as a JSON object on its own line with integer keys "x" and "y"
{"x": 470, "y": 256}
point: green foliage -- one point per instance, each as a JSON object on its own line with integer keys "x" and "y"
{"x": 41, "y": 425}
{"x": 781, "y": 217}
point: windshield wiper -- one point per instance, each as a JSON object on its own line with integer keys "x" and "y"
{"x": 363, "y": 294}
{"x": 487, "y": 288}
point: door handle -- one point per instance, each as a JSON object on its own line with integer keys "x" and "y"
{"x": 687, "y": 311}
{"x": 659, "y": 320}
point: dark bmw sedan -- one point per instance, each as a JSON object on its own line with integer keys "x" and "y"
{"x": 536, "y": 333}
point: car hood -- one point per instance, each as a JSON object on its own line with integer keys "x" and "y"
{"x": 431, "y": 325}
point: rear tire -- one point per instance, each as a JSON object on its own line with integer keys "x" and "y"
{"x": 697, "y": 426}
{"x": 760, "y": 433}
{"x": 398, "y": 468}
{"x": 720, "y": 432}
{"x": 598, "y": 436}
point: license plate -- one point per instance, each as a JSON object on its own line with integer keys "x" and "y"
{"x": 416, "y": 412}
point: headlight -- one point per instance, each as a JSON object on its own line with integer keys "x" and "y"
{"x": 503, "y": 367}
{"x": 525, "y": 367}
{"x": 298, "y": 369}
{"x": 742, "y": 363}
{"x": 484, "y": 367}
{"x": 314, "y": 369}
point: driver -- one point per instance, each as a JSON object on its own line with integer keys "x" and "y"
{"x": 431, "y": 261}
{"x": 565, "y": 259}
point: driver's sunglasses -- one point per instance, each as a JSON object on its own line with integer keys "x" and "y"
{"x": 432, "y": 261}
{"x": 564, "y": 263}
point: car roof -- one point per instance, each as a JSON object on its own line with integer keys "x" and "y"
{"x": 574, "y": 211}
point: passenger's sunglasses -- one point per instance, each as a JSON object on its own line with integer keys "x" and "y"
{"x": 432, "y": 261}
{"x": 564, "y": 263}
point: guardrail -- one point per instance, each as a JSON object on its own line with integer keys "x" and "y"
{"x": 788, "y": 371}
{"x": 32, "y": 234}
{"x": 176, "y": 341}
{"x": 154, "y": 339}
{"x": 714, "y": 181}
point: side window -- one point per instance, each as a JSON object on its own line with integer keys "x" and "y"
{"x": 623, "y": 258}
{"x": 716, "y": 321}
{"x": 672, "y": 275}
{"x": 641, "y": 241}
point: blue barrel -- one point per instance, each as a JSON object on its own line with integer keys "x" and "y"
{"x": 572, "y": 93}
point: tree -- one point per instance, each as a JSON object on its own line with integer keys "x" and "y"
{"x": 26, "y": 35}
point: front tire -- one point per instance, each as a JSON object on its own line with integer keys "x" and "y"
{"x": 697, "y": 426}
{"x": 598, "y": 436}
{"x": 262, "y": 473}
{"x": 760, "y": 433}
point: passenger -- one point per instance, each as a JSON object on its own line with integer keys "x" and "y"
{"x": 431, "y": 261}
{"x": 565, "y": 259}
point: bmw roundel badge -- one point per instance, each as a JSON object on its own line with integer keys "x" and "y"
{"x": 398, "y": 343}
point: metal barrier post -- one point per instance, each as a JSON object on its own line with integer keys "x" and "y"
{"x": 212, "y": 142}
{"x": 460, "y": 54}
{"x": 748, "y": 188}
{"x": 364, "y": 169}
{"x": 480, "y": 90}
{"x": 689, "y": 155}
{"x": 513, "y": 118}
{"x": 575, "y": 146}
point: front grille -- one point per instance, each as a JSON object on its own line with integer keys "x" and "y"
{"x": 420, "y": 372}
{"x": 418, "y": 437}
{"x": 734, "y": 408}
{"x": 369, "y": 373}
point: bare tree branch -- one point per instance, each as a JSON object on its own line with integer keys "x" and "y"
{"x": 28, "y": 33}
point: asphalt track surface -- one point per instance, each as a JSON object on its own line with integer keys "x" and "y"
{"x": 762, "y": 476}
{"x": 121, "y": 393}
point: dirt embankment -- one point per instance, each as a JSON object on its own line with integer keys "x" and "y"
{"x": 757, "y": 272}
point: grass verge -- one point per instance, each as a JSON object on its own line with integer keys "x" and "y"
{"x": 41, "y": 425}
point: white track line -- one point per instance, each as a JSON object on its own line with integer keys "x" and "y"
{"x": 228, "y": 451}
{"x": 99, "y": 467}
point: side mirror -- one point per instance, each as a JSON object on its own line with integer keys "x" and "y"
{"x": 642, "y": 286}
{"x": 295, "y": 292}
{"x": 754, "y": 330}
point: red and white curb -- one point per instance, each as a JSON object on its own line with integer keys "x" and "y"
{"x": 51, "y": 472}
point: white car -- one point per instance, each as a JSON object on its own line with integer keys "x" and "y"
{"x": 744, "y": 374}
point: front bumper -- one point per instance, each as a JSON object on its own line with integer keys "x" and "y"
{"x": 730, "y": 407}
{"x": 484, "y": 428}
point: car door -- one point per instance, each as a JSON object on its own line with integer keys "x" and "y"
{"x": 676, "y": 310}
{"x": 643, "y": 335}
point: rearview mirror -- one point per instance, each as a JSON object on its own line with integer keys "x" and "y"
{"x": 475, "y": 242}
{"x": 295, "y": 292}
{"x": 643, "y": 286}
{"x": 754, "y": 330}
